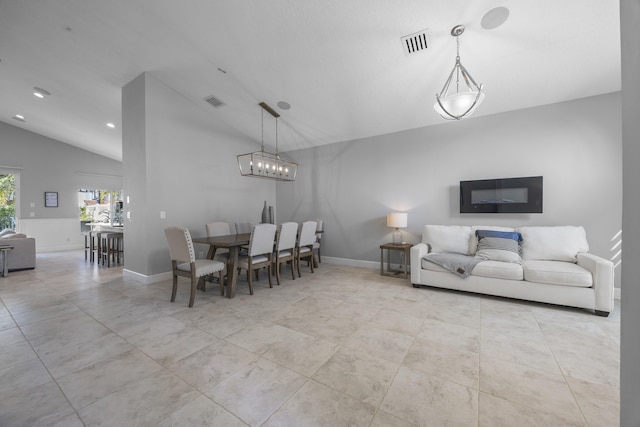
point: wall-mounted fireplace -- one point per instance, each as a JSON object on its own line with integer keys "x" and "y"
{"x": 504, "y": 195}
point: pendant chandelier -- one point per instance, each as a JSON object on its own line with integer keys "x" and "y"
{"x": 461, "y": 103}
{"x": 263, "y": 164}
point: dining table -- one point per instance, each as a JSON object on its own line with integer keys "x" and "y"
{"x": 233, "y": 243}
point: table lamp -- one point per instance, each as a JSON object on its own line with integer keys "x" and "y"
{"x": 397, "y": 220}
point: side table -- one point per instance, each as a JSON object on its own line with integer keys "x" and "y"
{"x": 404, "y": 248}
{"x": 4, "y": 250}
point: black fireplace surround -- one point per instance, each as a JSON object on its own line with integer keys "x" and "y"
{"x": 503, "y": 195}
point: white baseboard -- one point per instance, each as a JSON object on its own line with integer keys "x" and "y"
{"x": 143, "y": 278}
{"x": 351, "y": 262}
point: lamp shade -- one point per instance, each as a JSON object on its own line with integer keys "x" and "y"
{"x": 397, "y": 219}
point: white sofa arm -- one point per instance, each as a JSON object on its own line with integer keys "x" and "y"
{"x": 417, "y": 253}
{"x": 602, "y": 272}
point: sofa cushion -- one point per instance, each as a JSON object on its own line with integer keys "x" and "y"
{"x": 559, "y": 243}
{"x": 498, "y": 270}
{"x": 473, "y": 242}
{"x": 557, "y": 273}
{"x": 447, "y": 238}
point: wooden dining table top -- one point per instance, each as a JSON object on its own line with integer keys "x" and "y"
{"x": 227, "y": 241}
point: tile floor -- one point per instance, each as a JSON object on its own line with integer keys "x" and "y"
{"x": 80, "y": 345}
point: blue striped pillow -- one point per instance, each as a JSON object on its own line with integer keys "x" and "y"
{"x": 499, "y": 245}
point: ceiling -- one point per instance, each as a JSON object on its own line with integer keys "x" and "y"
{"x": 339, "y": 63}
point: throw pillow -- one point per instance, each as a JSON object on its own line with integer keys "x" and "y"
{"x": 499, "y": 245}
{"x": 7, "y": 231}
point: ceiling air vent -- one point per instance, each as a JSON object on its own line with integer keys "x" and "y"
{"x": 214, "y": 101}
{"x": 416, "y": 42}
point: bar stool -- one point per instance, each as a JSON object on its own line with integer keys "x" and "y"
{"x": 88, "y": 246}
{"x": 112, "y": 247}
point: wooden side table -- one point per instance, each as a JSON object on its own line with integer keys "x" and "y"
{"x": 405, "y": 248}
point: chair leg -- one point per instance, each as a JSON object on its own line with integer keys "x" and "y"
{"x": 277, "y": 274}
{"x": 221, "y": 280}
{"x": 297, "y": 262}
{"x": 175, "y": 288}
{"x": 292, "y": 263}
{"x": 249, "y": 278}
{"x": 269, "y": 274}
{"x": 194, "y": 279}
{"x": 319, "y": 256}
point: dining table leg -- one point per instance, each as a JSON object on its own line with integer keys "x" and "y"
{"x": 232, "y": 271}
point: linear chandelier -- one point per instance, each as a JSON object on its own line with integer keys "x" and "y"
{"x": 458, "y": 105}
{"x": 266, "y": 165}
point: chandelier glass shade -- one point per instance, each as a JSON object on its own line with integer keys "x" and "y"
{"x": 266, "y": 165}
{"x": 454, "y": 102}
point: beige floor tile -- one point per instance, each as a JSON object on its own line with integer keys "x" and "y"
{"x": 422, "y": 399}
{"x": 42, "y": 405}
{"x": 260, "y": 336}
{"x": 10, "y": 336}
{"x": 358, "y": 374}
{"x": 445, "y": 362}
{"x": 223, "y": 323}
{"x": 388, "y": 345}
{"x": 96, "y": 381}
{"x": 384, "y": 419}
{"x": 23, "y": 376}
{"x": 16, "y": 353}
{"x": 454, "y": 314}
{"x": 212, "y": 364}
{"x": 600, "y": 404}
{"x": 257, "y": 390}
{"x": 201, "y": 412}
{"x": 540, "y": 390}
{"x": 318, "y": 405}
{"x": 144, "y": 402}
{"x": 177, "y": 345}
{"x": 499, "y": 412}
{"x": 453, "y": 335}
{"x": 396, "y": 321}
{"x": 301, "y": 353}
{"x": 71, "y": 358}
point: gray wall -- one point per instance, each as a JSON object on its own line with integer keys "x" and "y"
{"x": 576, "y": 146}
{"x": 46, "y": 164}
{"x": 179, "y": 158}
{"x": 630, "y": 338}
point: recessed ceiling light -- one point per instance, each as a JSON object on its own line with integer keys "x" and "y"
{"x": 20, "y": 118}
{"x": 111, "y": 125}
{"x": 284, "y": 105}
{"x": 494, "y": 18}
{"x": 40, "y": 93}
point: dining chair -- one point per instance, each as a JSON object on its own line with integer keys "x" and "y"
{"x": 260, "y": 253}
{"x": 304, "y": 249}
{"x": 317, "y": 245}
{"x": 220, "y": 228}
{"x": 285, "y": 247}
{"x": 243, "y": 227}
{"x": 185, "y": 264}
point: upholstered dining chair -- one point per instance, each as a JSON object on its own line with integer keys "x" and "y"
{"x": 317, "y": 245}
{"x": 285, "y": 247}
{"x": 243, "y": 227}
{"x": 184, "y": 262}
{"x": 260, "y": 253}
{"x": 219, "y": 228}
{"x": 304, "y": 248}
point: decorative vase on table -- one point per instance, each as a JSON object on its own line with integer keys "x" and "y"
{"x": 271, "y": 218}
{"x": 265, "y": 217}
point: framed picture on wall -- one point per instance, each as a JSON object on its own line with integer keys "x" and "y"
{"x": 50, "y": 199}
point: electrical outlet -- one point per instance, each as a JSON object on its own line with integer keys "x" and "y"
{"x": 32, "y": 214}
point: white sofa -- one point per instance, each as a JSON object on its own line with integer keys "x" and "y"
{"x": 553, "y": 266}
{"x": 23, "y": 254}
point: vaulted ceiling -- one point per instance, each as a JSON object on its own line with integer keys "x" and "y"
{"x": 340, "y": 64}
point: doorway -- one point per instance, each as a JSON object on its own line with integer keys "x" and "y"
{"x": 8, "y": 200}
